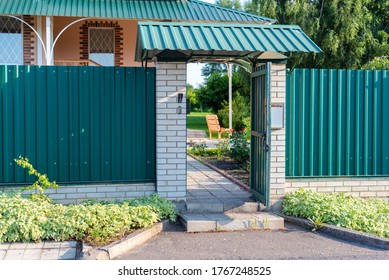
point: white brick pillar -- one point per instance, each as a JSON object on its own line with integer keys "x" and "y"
{"x": 277, "y": 165}
{"x": 171, "y": 130}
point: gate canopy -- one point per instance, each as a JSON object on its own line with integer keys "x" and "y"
{"x": 196, "y": 41}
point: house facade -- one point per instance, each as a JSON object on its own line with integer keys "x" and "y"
{"x": 77, "y": 126}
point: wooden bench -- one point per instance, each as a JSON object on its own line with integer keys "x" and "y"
{"x": 214, "y": 126}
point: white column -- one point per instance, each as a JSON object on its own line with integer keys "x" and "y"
{"x": 39, "y": 45}
{"x": 277, "y": 164}
{"x": 229, "y": 67}
{"x": 49, "y": 40}
{"x": 171, "y": 130}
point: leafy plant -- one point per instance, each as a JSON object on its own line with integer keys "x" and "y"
{"x": 41, "y": 184}
{"x": 24, "y": 219}
{"x": 240, "y": 111}
{"x": 366, "y": 215}
{"x": 222, "y": 148}
{"x": 199, "y": 148}
{"x": 240, "y": 149}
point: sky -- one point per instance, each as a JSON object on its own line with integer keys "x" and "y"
{"x": 194, "y": 69}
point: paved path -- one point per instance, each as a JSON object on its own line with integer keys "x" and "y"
{"x": 39, "y": 251}
{"x": 294, "y": 243}
{"x": 207, "y": 186}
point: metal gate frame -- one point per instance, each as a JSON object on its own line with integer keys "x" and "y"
{"x": 260, "y": 133}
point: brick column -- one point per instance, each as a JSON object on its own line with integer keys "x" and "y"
{"x": 277, "y": 165}
{"x": 171, "y": 130}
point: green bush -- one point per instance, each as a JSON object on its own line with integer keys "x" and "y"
{"x": 240, "y": 111}
{"x": 247, "y": 130}
{"x": 24, "y": 219}
{"x": 199, "y": 149}
{"x": 205, "y": 152}
{"x": 240, "y": 149}
{"x": 165, "y": 209}
{"x": 366, "y": 215}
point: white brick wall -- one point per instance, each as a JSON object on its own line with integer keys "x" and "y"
{"x": 363, "y": 187}
{"x": 78, "y": 193}
{"x": 277, "y": 164}
{"x": 171, "y": 130}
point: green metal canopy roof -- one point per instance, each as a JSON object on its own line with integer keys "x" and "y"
{"x": 186, "y": 10}
{"x": 193, "y": 41}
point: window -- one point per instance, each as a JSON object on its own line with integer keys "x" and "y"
{"x": 102, "y": 46}
{"x": 11, "y": 41}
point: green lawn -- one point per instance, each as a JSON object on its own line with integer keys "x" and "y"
{"x": 196, "y": 120}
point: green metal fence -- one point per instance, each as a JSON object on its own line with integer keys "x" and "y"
{"x": 78, "y": 124}
{"x": 337, "y": 123}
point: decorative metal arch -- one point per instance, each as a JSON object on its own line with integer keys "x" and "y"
{"x": 48, "y": 55}
{"x": 60, "y": 33}
{"x": 32, "y": 28}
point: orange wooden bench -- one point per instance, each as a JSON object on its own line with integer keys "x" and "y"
{"x": 214, "y": 126}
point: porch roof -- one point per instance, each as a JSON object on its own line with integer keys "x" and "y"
{"x": 186, "y": 10}
{"x": 196, "y": 41}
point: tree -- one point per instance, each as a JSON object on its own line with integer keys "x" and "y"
{"x": 378, "y": 63}
{"x": 215, "y": 89}
{"x": 350, "y": 32}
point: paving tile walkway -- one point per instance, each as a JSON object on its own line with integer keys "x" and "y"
{"x": 207, "y": 186}
{"x": 49, "y": 250}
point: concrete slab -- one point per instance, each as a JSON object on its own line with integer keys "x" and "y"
{"x": 205, "y": 207}
{"x": 67, "y": 253}
{"x": 14, "y": 255}
{"x": 2, "y": 254}
{"x": 52, "y": 245}
{"x": 4, "y": 246}
{"x": 233, "y": 225}
{"x": 69, "y": 244}
{"x": 31, "y": 246}
{"x": 17, "y": 246}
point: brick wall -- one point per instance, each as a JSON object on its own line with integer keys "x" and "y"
{"x": 362, "y": 187}
{"x": 277, "y": 164}
{"x": 29, "y": 41}
{"x": 78, "y": 193}
{"x": 84, "y": 39}
{"x": 171, "y": 130}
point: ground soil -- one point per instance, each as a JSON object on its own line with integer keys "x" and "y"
{"x": 231, "y": 167}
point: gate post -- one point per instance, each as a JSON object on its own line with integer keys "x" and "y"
{"x": 171, "y": 130}
{"x": 277, "y": 164}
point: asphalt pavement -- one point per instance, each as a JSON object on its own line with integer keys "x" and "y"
{"x": 295, "y": 243}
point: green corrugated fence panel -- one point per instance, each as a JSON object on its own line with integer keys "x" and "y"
{"x": 78, "y": 124}
{"x": 337, "y": 123}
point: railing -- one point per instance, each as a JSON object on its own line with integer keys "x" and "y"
{"x": 81, "y": 62}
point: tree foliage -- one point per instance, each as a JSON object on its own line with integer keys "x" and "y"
{"x": 215, "y": 89}
{"x": 350, "y": 32}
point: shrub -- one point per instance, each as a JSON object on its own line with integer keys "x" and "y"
{"x": 240, "y": 111}
{"x": 247, "y": 130}
{"x": 199, "y": 149}
{"x": 165, "y": 209}
{"x": 205, "y": 153}
{"x": 24, "y": 219}
{"x": 223, "y": 148}
{"x": 240, "y": 149}
{"x": 366, "y": 215}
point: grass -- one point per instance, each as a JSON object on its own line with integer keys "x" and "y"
{"x": 196, "y": 121}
